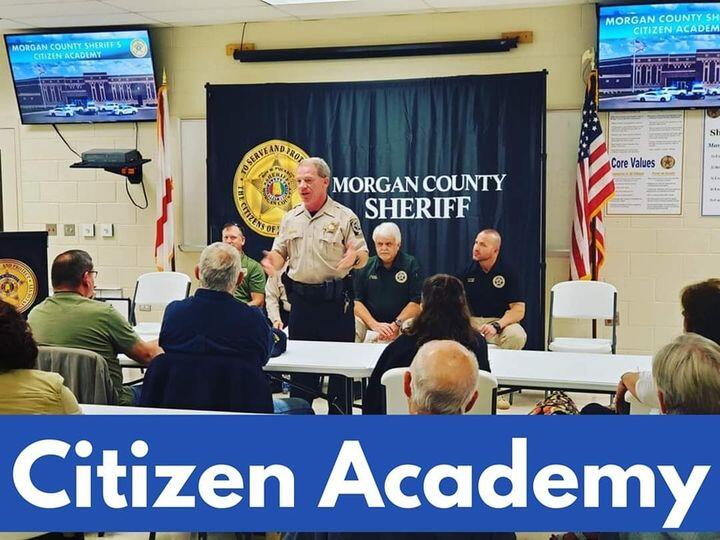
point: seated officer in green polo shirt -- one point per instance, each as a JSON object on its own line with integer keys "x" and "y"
{"x": 71, "y": 318}
{"x": 387, "y": 289}
{"x": 252, "y": 289}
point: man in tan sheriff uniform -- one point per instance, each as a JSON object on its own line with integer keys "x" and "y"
{"x": 322, "y": 242}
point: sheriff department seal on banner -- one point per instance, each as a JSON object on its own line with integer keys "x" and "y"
{"x": 264, "y": 187}
{"x": 18, "y": 284}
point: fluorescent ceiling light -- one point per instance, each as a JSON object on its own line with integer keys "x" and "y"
{"x": 296, "y": 2}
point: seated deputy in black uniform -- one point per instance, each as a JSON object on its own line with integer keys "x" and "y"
{"x": 495, "y": 294}
{"x": 387, "y": 288}
{"x": 444, "y": 315}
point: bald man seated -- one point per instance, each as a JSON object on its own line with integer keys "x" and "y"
{"x": 442, "y": 379}
{"x": 495, "y": 293}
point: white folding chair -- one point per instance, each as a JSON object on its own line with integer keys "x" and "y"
{"x": 637, "y": 406}
{"x": 396, "y": 400}
{"x": 583, "y": 300}
{"x": 159, "y": 289}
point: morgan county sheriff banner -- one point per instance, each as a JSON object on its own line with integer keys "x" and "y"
{"x": 442, "y": 158}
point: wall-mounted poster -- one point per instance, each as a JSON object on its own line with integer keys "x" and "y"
{"x": 646, "y": 155}
{"x": 711, "y": 164}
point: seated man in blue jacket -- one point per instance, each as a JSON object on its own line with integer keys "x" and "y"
{"x": 215, "y": 347}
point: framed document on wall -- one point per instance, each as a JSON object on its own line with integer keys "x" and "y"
{"x": 710, "y": 202}
{"x": 646, "y": 150}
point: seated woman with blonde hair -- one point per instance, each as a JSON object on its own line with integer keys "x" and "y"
{"x": 24, "y": 389}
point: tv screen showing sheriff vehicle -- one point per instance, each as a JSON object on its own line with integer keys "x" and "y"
{"x": 80, "y": 77}
{"x": 659, "y": 56}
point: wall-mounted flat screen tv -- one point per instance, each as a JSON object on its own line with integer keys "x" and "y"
{"x": 81, "y": 76}
{"x": 659, "y": 56}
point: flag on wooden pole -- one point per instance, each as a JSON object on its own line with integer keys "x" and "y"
{"x": 165, "y": 223}
{"x": 594, "y": 187}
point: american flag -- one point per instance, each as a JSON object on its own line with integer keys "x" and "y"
{"x": 593, "y": 188}
{"x": 165, "y": 223}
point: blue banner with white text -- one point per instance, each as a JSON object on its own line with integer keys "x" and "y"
{"x": 401, "y": 473}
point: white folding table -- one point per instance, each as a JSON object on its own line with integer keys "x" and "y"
{"x": 87, "y": 408}
{"x": 348, "y": 360}
{"x": 579, "y": 372}
{"x": 541, "y": 370}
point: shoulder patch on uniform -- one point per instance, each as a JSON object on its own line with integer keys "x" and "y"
{"x": 498, "y": 282}
{"x": 355, "y": 225}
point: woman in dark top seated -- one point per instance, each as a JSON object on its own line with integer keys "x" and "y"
{"x": 445, "y": 315}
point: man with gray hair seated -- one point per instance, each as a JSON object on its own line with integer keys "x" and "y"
{"x": 387, "y": 288}
{"x": 687, "y": 374}
{"x": 442, "y": 379}
{"x": 700, "y": 304}
{"x": 214, "y": 323}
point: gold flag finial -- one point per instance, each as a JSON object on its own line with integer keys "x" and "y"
{"x": 587, "y": 64}
{"x": 164, "y": 79}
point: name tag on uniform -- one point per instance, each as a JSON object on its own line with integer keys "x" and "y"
{"x": 372, "y": 276}
{"x": 471, "y": 280}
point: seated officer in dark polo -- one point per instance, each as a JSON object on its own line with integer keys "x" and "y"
{"x": 495, "y": 294}
{"x": 387, "y": 289}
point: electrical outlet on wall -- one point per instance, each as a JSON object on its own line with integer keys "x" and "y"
{"x": 87, "y": 230}
{"x": 69, "y": 229}
{"x": 106, "y": 230}
{"x": 51, "y": 229}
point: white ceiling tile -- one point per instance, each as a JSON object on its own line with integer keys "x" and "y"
{"x": 178, "y": 5}
{"x": 18, "y": 14}
{"x": 218, "y": 16}
{"x": 88, "y": 20}
{"x": 359, "y": 7}
{"x": 287, "y": 2}
{"x": 57, "y": 9}
{"x": 8, "y": 24}
{"x": 4, "y": 3}
{"x": 498, "y": 4}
